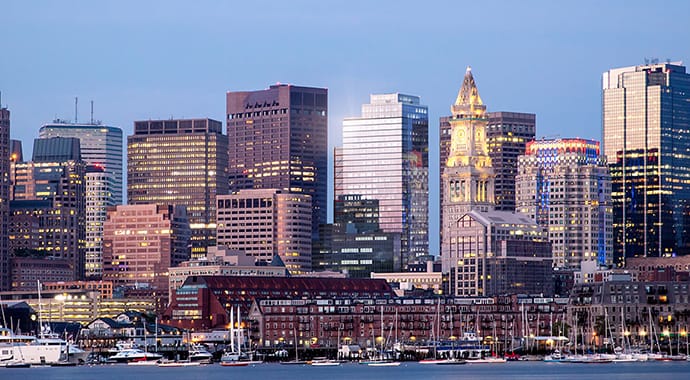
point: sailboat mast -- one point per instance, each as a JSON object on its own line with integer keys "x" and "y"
{"x": 40, "y": 309}
{"x": 232, "y": 328}
{"x": 239, "y": 329}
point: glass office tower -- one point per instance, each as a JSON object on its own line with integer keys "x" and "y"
{"x": 385, "y": 157}
{"x": 646, "y": 133}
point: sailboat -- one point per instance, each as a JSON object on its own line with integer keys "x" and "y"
{"x": 234, "y": 356}
{"x": 381, "y": 361}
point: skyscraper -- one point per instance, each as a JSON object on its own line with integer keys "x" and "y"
{"x": 4, "y": 198}
{"x": 385, "y": 156}
{"x": 278, "y": 139}
{"x": 101, "y": 150}
{"x": 646, "y": 133}
{"x": 180, "y": 162}
{"x": 507, "y": 134}
{"x": 564, "y": 185}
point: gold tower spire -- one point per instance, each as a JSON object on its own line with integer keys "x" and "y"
{"x": 468, "y": 103}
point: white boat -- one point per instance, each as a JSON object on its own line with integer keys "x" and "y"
{"x": 383, "y": 363}
{"x": 134, "y": 355}
{"x": 29, "y": 349}
{"x": 179, "y": 364}
{"x": 555, "y": 357}
{"x": 487, "y": 360}
{"x": 325, "y": 363}
{"x": 199, "y": 353}
{"x": 144, "y": 363}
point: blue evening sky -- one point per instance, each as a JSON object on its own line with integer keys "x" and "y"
{"x": 162, "y": 59}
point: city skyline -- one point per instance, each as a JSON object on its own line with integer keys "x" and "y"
{"x": 517, "y": 53}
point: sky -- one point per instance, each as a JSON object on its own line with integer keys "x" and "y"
{"x": 140, "y": 60}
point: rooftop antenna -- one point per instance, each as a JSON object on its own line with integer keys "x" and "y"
{"x": 92, "y": 112}
{"x": 76, "y": 103}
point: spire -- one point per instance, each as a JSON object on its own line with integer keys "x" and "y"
{"x": 468, "y": 103}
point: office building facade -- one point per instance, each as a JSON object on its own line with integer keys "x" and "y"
{"x": 140, "y": 243}
{"x": 646, "y": 134}
{"x": 180, "y": 162}
{"x": 265, "y": 223}
{"x": 564, "y": 185}
{"x": 278, "y": 139}
{"x": 385, "y": 157}
{"x": 5, "y": 158}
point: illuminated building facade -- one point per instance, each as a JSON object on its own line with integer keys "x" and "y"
{"x": 98, "y": 199}
{"x": 468, "y": 178}
{"x": 498, "y": 252}
{"x": 564, "y": 185}
{"x": 48, "y": 207}
{"x": 278, "y": 139}
{"x": 5, "y": 158}
{"x": 180, "y": 162}
{"x": 385, "y": 157}
{"x": 265, "y": 223}
{"x": 507, "y": 134}
{"x": 140, "y": 243}
{"x": 646, "y": 133}
{"x": 101, "y": 150}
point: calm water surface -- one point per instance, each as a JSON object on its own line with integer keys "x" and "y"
{"x": 406, "y": 371}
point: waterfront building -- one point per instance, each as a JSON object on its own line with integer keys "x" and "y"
{"x": 180, "y": 162}
{"x": 203, "y": 302}
{"x": 630, "y": 314}
{"x": 278, "y": 139}
{"x": 507, "y": 135}
{"x": 385, "y": 157}
{"x": 564, "y": 185}
{"x": 140, "y": 243}
{"x": 101, "y": 151}
{"x": 48, "y": 207}
{"x": 502, "y": 322}
{"x": 498, "y": 252}
{"x": 646, "y": 134}
{"x": 5, "y": 157}
{"x": 266, "y": 223}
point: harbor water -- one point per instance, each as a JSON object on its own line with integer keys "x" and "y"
{"x": 350, "y": 371}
